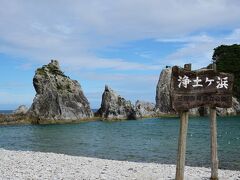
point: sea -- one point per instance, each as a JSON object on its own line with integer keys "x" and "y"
{"x": 148, "y": 140}
{"x": 6, "y": 111}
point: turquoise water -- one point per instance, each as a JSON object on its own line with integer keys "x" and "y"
{"x": 148, "y": 140}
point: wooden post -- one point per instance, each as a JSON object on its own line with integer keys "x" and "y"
{"x": 182, "y": 145}
{"x": 182, "y": 139}
{"x": 213, "y": 129}
{"x": 214, "y": 157}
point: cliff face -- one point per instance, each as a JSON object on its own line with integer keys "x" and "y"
{"x": 57, "y": 96}
{"x": 163, "y": 92}
{"x": 114, "y": 106}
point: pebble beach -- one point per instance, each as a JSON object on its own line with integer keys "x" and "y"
{"x": 38, "y": 165}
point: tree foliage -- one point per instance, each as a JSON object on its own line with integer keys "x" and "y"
{"x": 227, "y": 59}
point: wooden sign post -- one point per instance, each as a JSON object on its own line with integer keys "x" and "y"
{"x": 213, "y": 130}
{"x": 193, "y": 89}
{"x": 182, "y": 140}
{"x": 214, "y": 157}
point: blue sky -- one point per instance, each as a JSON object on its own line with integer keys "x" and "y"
{"x": 124, "y": 44}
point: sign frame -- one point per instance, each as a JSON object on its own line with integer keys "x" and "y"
{"x": 203, "y": 87}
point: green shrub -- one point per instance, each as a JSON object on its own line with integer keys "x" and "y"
{"x": 227, "y": 59}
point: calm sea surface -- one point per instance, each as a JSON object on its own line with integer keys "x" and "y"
{"x": 148, "y": 140}
{"x": 6, "y": 111}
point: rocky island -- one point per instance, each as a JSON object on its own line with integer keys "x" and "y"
{"x": 58, "y": 99}
{"x": 57, "y": 96}
{"x": 115, "y": 107}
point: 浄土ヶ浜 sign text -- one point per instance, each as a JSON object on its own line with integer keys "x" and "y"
{"x": 199, "y": 88}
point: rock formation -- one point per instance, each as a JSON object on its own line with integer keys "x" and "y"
{"x": 234, "y": 110}
{"x": 18, "y": 116}
{"x": 144, "y": 109}
{"x": 22, "y": 109}
{"x": 194, "y": 112}
{"x": 57, "y": 96}
{"x": 163, "y": 92}
{"x": 114, "y": 106}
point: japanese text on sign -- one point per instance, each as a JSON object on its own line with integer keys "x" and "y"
{"x": 185, "y": 81}
{"x": 199, "y": 88}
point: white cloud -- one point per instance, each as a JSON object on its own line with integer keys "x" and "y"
{"x": 203, "y": 38}
{"x": 234, "y": 37}
{"x": 39, "y": 30}
{"x": 198, "y": 49}
{"x": 91, "y": 62}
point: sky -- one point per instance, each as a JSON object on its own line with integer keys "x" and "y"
{"x": 124, "y": 44}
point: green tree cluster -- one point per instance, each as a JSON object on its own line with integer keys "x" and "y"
{"x": 227, "y": 59}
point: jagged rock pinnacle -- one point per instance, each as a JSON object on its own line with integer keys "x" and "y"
{"x": 57, "y": 96}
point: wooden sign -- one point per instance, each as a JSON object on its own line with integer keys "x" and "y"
{"x": 199, "y": 88}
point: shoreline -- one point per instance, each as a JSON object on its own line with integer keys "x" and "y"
{"x": 12, "y": 120}
{"x": 21, "y": 119}
{"x": 40, "y": 165}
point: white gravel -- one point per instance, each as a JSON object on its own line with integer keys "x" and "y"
{"x": 38, "y": 165}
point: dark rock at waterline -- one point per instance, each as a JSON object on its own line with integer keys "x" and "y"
{"x": 57, "y": 96}
{"x": 114, "y": 106}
